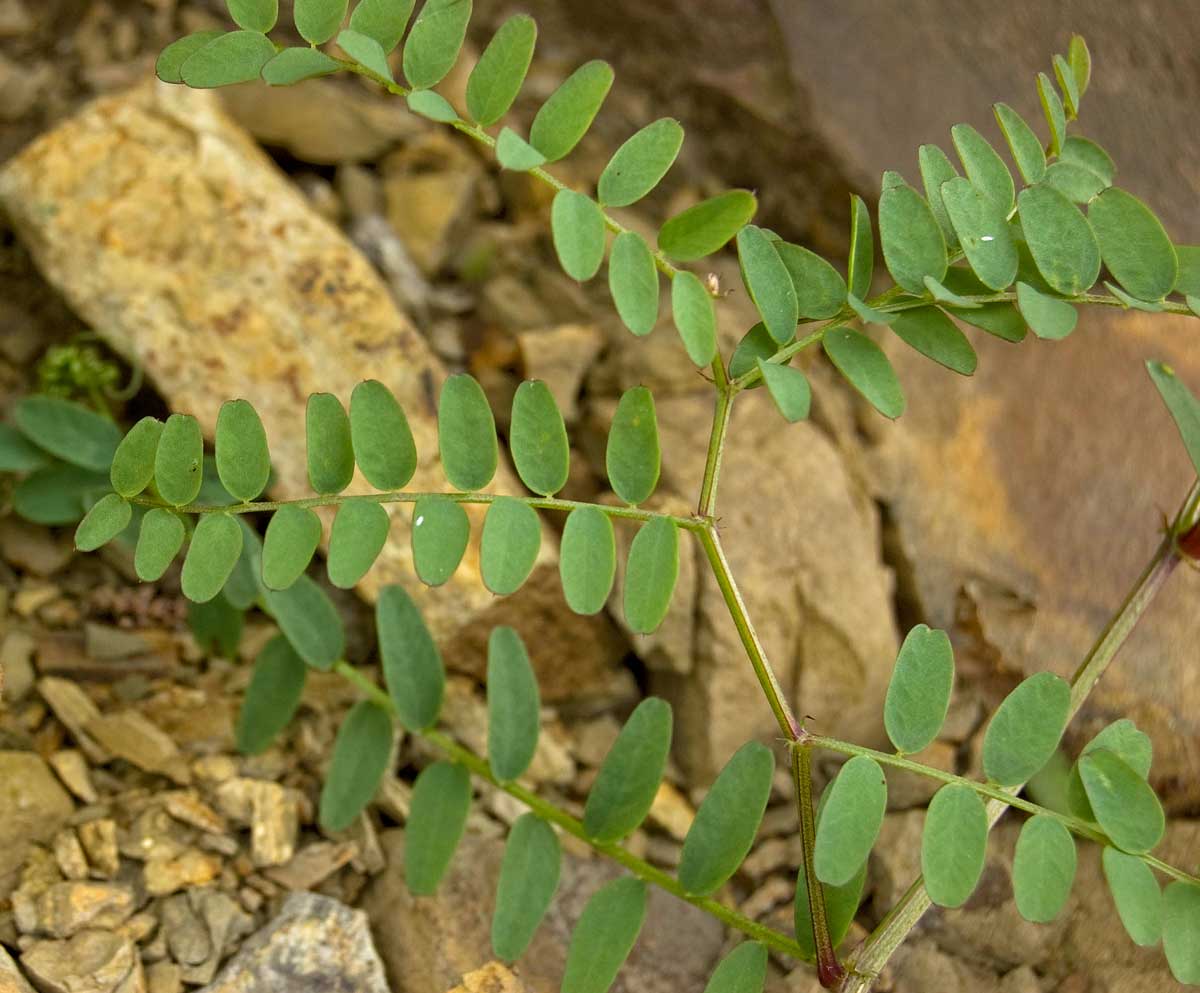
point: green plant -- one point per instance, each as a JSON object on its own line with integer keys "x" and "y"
{"x": 972, "y": 248}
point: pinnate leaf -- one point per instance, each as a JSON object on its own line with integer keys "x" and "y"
{"x": 860, "y": 267}
{"x": 382, "y": 20}
{"x": 913, "y": 246}
{"x": 68, "y": 431}
{"x": 528, "y": 878}
{"x": 359, "y": 532}
{"x": 361, "y": 753}
{"x": 380, "y": 437}
{"x": 1060, "y": 240}
{"x": 933, "y": 334}
{"x": 58, "y": 494}
{"x": 640, "y": 163}
{"x": 1026, "y": 728}
{"x": 577, "y": 226}
{"x": 1134, "y": 245}
{"x": 695, "y": 319}
{"x": 604, "y": 936}
{"x": 293, "y": 65}
{"x": 272, "y": 696}
{"x": 936, "y": 169}
{"x": 768, "y": 282}
{"x": 170, "y": 61}
{"x": 982, "y": 232}
{"x": 133, "y": 464}
{"x": 918, "y": 696}
{"x": 1075, "y": 182}
{"x": 1043, "y": 869}
{"x": 235, "y": 57}
{"x": 789, "y": 390}
{"x": 755, "y": 344}
{"x": 1181, "y": 930}
{"x": 1026, "y": 147}
{"x": 1183, "y": 406}
{"x": 744, "y": 970}
{"x": 841, "y": 905}
{"x": 440, "y": 532}
{"x": 441, "y": 798}
{"x": 1136, "y": 894}
{"x": 292, "y": 537}
{"x": 514, "y": 705}
{"x": 319, "y": 20}
{"x": 650, "y": 575}
{"x": 107, "y": 519}
{"x": 1052, "y": 108}
{"x": 565, "y": 117}
{"x": 1124, "y": 804}
{"x": 412, "y": 664}
{"x": 629, "y": 777}
{"x": 466, "y": 434}
{"x": 587, "y": 560}
{"x": 851, "y": 820}
{"x": 633, "y": 282}
{"x": 179, "y": 460}
{"x": 366, "y": 51}
{"x": 216, "y": 626}
{"x": 953, "y": 845}
{"x": 1048, "y": 316}
{"x": 243, "y": 462}
{"x": 984, "y": 167}
{"x": 866, "y": 368}
{"x": 159, "y": 540}
{"x": 1086, "y": 153}
{"x": 538, "y": 439}
{"x": 820, "y": 289}
{"x": 254, "y": 15}
{"x": 515, "y": 153}
{"x": 330, "y": 450}
{"x": 497, "y": 77}
{"x": 1123, "y": 738}
{"x": 706, "y": 227}
{"x": 508, "y": 547}
{"x": 435, "y": 40}
{"x": 309, "y": 621}
{"x": 213, "y": 552}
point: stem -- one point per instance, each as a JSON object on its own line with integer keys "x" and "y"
{"x": 829, "y": 970}
{"x": 547, "y": 811}
{"x": 707, "y": 505}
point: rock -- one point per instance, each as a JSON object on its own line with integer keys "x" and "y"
{"x": 192, "y": 868}
{"x": 11, "y": 980}
{"x": 92, "y": 961}
{"x": 186, "y": 935}
{"x": 907, "y": 789}
{"x": 244, "y": 291}
{"x": 33, "y": 549}
{"x": 920, "y": 965}
{"x": 271, "y": 812}
{"x": 227, "y": 924}
{"x": 68, "y": 853}
{"x": 313, "y": 864}
{"x": 671, "y": 811}
{"x": 447, "y": 935}
{"x": 495, "y": 977}
{"x": 16, "y": 665}
{"x": 164, "y": 977}
{"x": 186, "y": 806}
{"x": 68, "y": 907}
{"x": 73, "y": 770}
{"x": 130, "y": 736}
{"x": 15, "y": 19}
{"x": 314, "y": 944}
{"x": 35, "y": 807}
{"x": 99, "y": 841}
{"x": 561, "y": 357}
{"x": 75, "y": 709}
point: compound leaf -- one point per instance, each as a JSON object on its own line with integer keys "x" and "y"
{"x": 435, "y": 40}
{"x": 913, "y": 246}
{"x": 292, "y": 537}
{"x": 271, "y": 697}
{"x": 243, "y": 461}
{"x": 1076, "y": 183}
{"x": 441, "y": 798}
{"x": 707, "y": 226}
{"x": 58, "y": 494}
{"x": 19, "y": 454}
{"x": 528, "y": 878}
{"x": 508, "y": 547}
{"x": 982, "y": 232}
{"x": 820, "y": 289}
{"x": 1181, "y": 930}
{"x": 214, "y": 550}
{"x": 159, "y": 540}
{"x": 860, "y": 267}
{"x": 933, "y": 334}
{"x": 466, "y": 434}
{"x": 755, "y": 344}
{"x": 1080, "y": 60}
{"x": 366, "y": 51}
{"x": 179, "y": 460}
{"x": 319, "y": 20}
{"x": 850, "y": 821}
{"x": 330, "y": 449}
{"x": 498, "y": 75}
{"x": 359, "y": 532}
{"x": 587, "y": 560}
{"x": 1124, "y": 804}
{"x": 108, "y": 518}
{"x": 68, "y": 431}
{"x": 695, "y": 319}
{"x": 1136, "y": 895}
{"x": 1086, "y": 153}
{"x": 293, "y": 65}
{"x": 577, "y": 226}
{"x": 727, "y": 820}
{"x": 841, "y": 904}
{"x": 633, "y": 282}
{"x": 309, "y": 621}
{"x": 440, "y": 532}
{"x": 538, "y": 439}
{"x": 1043, "y": 869}
{"x": 866, "y": 368}
{"x": 170, "y": 61}
{"x": 868, "y": 313}
{"x": 1182, "y": 405}
{"x": 1052, "y": 107}
{"x": 789, "y": 390}
{"x": 380, "y": 437}
{"x": 650, "y": 574}
{"x": 604, "y": 936}
{"x": 744, "y": 970}
{"x": 1134, "y": 245}
{"x": 629, "y": 777}
{"x": 1068, "y": 84}
{"x": 412, "y": 665}
{"x": 433, "y": 105}
{"x": 361, "y": 753}
{"x": 640, "y": 163}
{"x": 1026, "y": 729}
{"x": 768, "y": 282}
{"x": 235, "y": 57}
{"x": 382, "y": 20}
{"x": 1002, "y": 320}
{"x": 918, "y": 696}
{"x": 515, "y": 153}
{"x": 1123, "y": 738}
{"x": 936, "y": 169}
{"x": 1026, "y": 147}
{"x": 514, "y": 705}
{"x": 1060, "y": 240}
{"x": 569, "y": 111}
{"x": 133, "y": 464}
{"x": 984, "y": 167}
{"x": 953, "y": 845}
{"x": 216, "y": 626}
{"x": 254, "y": 15}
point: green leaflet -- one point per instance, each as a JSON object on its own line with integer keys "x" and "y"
{"x": 433, "y": 105}
{"x": 1025, "y": 146}
{"x": 359, "y": 532}
{"x": 170, "y": 61}
{"x": 412, "y": 665}
{"x": 440, "y": 532}
{"x": 1133, "y": 244}
{"x": 913, "y": 246}
{"x": 1181, "y": 930}
{"x": 382, "y": 20}
{"x": 933, "y": 334}
{"x": 243, "y": 461}
{"x": 789, "y": 390}
{"x": 604, "y": 936}
{"x": 508, "y": 547}
{"x": 727, "y": 820}
{"x": 292, "y": 537}
{"x": 630, "y": 775}
{"x": 538, "y": 439}
{"x": 1124, "y": 804}
{"x": 361, "y": 755}
{"x": 69, "y": 431}
{"x": 514, "y": 152}
{"x": 1187, "y": 281}
{"x": 1068, "y": 85}
{"x": 633, "y": 456}
{"x": 434, "y": 42}
{"x": 514, "y": 705}
{"x": 918, "y": 696}
{"x": 528, "y": 878}
{"x": 953, "y": 845}
{"x": 1000, "y": 319}
{"x": 330, "y": 451}
{"x": 367, "y": 52}
{"x": 982, "y": 232}
{"x": 380, "y": 437}
{"x": 58, "y": 494}
{"x": 860, "y": 266}
{"x": 577, "y": 226}
{"x": 768, "y": 282}
{"x": 159, "y": 541}
{"x": 695, "y": 320}
{"x": 133, "y": 464}
{"x": 213, "y": 552}
{"x": 755, "y": 344}
{"x": 1049, "y": 317}
{"x": 254, "y": 15}
{"x": 640, "y": 163}
{"x": 851, "y": 821}
{"x": 1080, "y": 60}
{"x": 868, "y": 313}
{"x": 1059, "y": 239}
{"x": 107, "y": 519}
{"x": 650, "y": 575}
{"x": 841, "y": 905}
{"x": 216, "y": 626}
{"x": 569, "y": 111}
{"x": 319, "y": 20}
{"x": 1136, "y": 895}
{"x": 587, "y": 560}
{"x": 744, "y": 970}
{"x": 820, "y": 289}
{"x": 179, "y": 460}
{"x": 272, "y": 696}
{"x": 1026, "y": 728}
{"x": 441, "y": 798}
{"x": 706, "y": 227}
{"x": 244, "y": 585}
{"x": 1075, "y": 182}
{"x": 943, "y": 294}
{"x": 293, "y": 65}
{"x": 1043, "y": 869}
{"x": 466, "y": 434}
{"x": 235, "y": 57}
{"x": 497, "y": 77}
{"x": 984, "y": 167}
{"x": 1183, "y": 406}
{"x": 866, "y": 368}
{"x": 1149, "y": 306}
{"x": 1086, "y": 153}
{"x": 309, "y": 621}
{"x": 18, "y": 454}
{"x": 1123, "y": 738}
{"x": 1052, "y": 107}
{"x": 633, "y": 282}
{"x": 936, "y": 169}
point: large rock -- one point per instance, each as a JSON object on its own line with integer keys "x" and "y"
{"x": 431, "y": 943}
{"x": 174, "y": 236}
{"x": 35, "y": 806}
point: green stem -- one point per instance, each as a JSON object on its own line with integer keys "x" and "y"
{"x": 547, "y": 811}
{"x": 707, "y": 505}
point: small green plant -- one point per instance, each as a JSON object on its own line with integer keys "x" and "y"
{"x": 971, "y": 247}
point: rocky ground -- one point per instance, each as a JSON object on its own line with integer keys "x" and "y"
{"x": 269, "y": 243}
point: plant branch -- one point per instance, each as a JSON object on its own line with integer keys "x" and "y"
{"x": 829, "y": 971}
{"x": 723, "y": 407}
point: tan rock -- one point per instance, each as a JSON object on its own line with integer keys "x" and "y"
{"x": 561, "y": 357}
{"x": 495, "y": 977}
{"x": 99, "y": 840}
{"x": 130, "y": 736}
{"x": 192, "y": 868}
{"x": 11, "y": 980}
{"x": 213, "y": 274}
{"x": 164, "y": 977}
{"x": 186, "y": 806}
{"x": 907, "y": 789}
{"x": 16, "y": 665}
{"x": 73, "y": 770}
{"x": 271, "y": 812}
{"x": 312, "y": 864}
{"x": 92, "y": 961}
{"x": 68, "y": 853}
{"x": 75, "y": 709}
{"x": 68, "y": 907}
{"x": 671, "y": 811}
{"x": 34, "y": 805}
